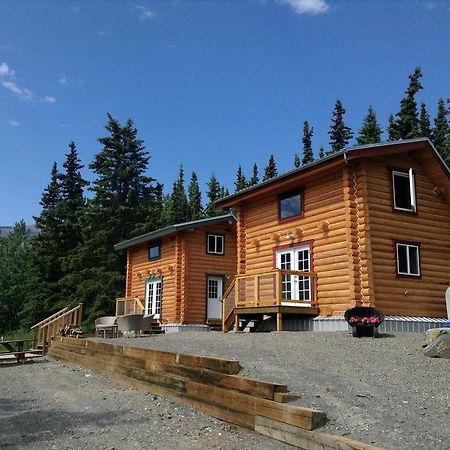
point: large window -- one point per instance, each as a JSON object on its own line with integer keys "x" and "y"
{"x": 215, "y": 244}
{"x": 404, "y": 190}
{"x": 408, "y": 262}
{"x": 290, "y": 205}
{"x": 154, "y": 250}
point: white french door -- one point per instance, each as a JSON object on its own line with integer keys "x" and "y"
{"x": 295, "y": 287}
{"x": 153, "y": 297}
{"x": 214, "y": 287}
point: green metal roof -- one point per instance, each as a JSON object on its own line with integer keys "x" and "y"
{"x": 173, "y": 229}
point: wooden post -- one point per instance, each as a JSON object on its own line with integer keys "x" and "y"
{"x": 278, "y": 287}
{"x": 279, "y": 321}
{"x": 80, "y": 314}
{"x": 236, "y": 323}
{"x": 256, "y": 289}
{"x": 44, "y": 340}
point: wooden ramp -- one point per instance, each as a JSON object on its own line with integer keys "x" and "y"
{"x": 209, "y": 384}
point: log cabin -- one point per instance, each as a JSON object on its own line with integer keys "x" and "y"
{"x": 365, "y": 226}
{"x": 179, "y": 273}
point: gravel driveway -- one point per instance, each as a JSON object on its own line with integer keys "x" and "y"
{"x": 381, "y": 391}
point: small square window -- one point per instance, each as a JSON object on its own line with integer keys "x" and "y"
{"x": 215, "y": 244}
{"x": 408, "y": 262}
{"x": 154, "y": 251}
{"x": 290, "y": 205}
{"x": 404, "y": 190}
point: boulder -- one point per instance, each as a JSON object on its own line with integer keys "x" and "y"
{"x": 432, "y": 334}
{"x": 439, "y": 348}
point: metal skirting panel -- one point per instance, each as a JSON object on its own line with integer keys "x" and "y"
{"x": 176, "y": 328}
{"x": 391, "y": 324}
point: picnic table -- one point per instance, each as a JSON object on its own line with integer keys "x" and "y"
{"x": 14, "y": 348}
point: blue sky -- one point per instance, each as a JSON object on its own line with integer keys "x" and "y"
{"x": 209, "y": 84}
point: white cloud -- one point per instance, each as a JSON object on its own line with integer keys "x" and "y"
{"x": 101, "y": 33}
{"x": 13, "y": 123}
{"x": 64, "y": 125}
{"x": 49, "y": 99}
{"x": 312, "y": 7}
{"x": 144, "y": 13}
{"x": 4, "y": 69}
{"x": 23, "y": 93}
{"x": 63, "y": 80}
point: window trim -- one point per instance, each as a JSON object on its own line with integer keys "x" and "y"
{"x": 286, "y": 195}
{"x": 410, "y": 174}
{"x": 407, "y": 244}
{"x": 154, "y": 245}
{"x": 208, "y": 251}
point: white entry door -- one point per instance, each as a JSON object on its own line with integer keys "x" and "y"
{"x": 295, "y": 287}
{"x": 214, "y": 288}
{"x": 153, "y": 297}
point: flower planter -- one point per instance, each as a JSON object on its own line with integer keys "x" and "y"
{"x": 364, "y": 321}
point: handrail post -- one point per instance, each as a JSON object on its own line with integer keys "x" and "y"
{"x": 256, "y": 289}
{"x": 278, "y": 287}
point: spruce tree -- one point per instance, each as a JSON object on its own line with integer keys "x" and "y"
{"x": 254, "y": 180}
{"x": 441, "y": 131}
{"x": 321, "y": 152}
{"x": 241, "y": 181}
{"x": 407, "y": 118}
{"x": 180, "y": 207}
{"x": 392, "y": 129}
{"x": 308, "y": 132}
{"x": 340, "y": 134}
{"x": 297, "y": 162}
{"x": 194, "y": 199}
{"x": 270, "y": 171}
{"x": 215, "y": 192}
{"x": 424, "y": 122}
{"x": 14, "y": 274}
{"x": 370, "y": 132}
{"x": 121, "y": 209}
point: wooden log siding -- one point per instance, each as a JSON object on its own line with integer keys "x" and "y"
{"x": 324, "y": 200}
{"x": 430, "y": 227}
{"x": 139, "y": 268}
{"x": 200, "y": 264}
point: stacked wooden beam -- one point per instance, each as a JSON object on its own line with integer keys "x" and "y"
{"x": 209, "y": 384}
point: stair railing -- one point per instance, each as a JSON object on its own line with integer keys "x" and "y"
{"x": 47, "y": 329}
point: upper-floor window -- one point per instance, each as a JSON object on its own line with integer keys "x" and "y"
{"x": 215, "y": 244}
{"x": 290, "y": 205}
{"x": 154, "y": 250}
{"x": 404, "y": 190}
{"x": 408, "y": 262}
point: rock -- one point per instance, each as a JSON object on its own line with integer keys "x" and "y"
{"x": 439, "y": 348}
{"x": 432, "y": 334}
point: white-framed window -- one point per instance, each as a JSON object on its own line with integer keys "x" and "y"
{"x": 215, "y": 244}
{"x": 408, "y": 259}
{"x": 404, "y": 189}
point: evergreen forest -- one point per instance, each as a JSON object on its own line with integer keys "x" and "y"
{"x": 72, "y": 260}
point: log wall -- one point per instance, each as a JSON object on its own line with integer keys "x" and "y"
{"x": 139, "y": 269}
{"x": 324, "y": 225}
{"x": 430, "y": 227}
{"x": 184, "y": 266}
{"x": 199, "y": 264}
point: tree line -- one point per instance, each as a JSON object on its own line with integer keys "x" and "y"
{"x": 72, "y": 259}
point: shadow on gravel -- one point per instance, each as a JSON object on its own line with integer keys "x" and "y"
{"x": 24, "y": 426}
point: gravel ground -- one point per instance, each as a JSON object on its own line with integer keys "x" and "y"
{"x": 381, "y": 391}
{"x": 50, "y": 405}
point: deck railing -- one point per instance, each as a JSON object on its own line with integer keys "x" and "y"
{"x": 47, "y": 329}
{"x": 269, "y": 288}
{"x": 129, "y": 305}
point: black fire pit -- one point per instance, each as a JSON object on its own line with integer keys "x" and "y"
{"x": 364, "y": 320}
